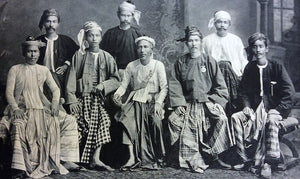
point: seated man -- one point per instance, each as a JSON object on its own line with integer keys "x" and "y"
{"x": 198, "y": 93}
{"x": 41, "y": 134}
{"x": 267, "y": 89}
{"x": 143, "y": 112}
{"x": 93, "y": 75}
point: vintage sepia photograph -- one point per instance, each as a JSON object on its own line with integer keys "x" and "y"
{"x": 149, "y": 89}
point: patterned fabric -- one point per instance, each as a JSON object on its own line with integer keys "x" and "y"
{"x": 232, "y": 84}
{"x": 93, "y": 123}
{"x": 204, "y": 129}
{"x": 256, "y": 139}
{"x": 144, "y": 130}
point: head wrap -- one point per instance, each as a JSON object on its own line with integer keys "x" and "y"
{"x": 148, "y": 39}
{"x": 257, "y": 36}
{"x": 30, "y": 41}
{"x": 129, "y": 6}
{"x": 190, "y": 30}
{"x": 218, "y": 15}
{"x": 46, "y": 14}
{"x": 89, "y": 25}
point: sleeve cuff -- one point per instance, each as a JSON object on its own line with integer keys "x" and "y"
{"x": 68, "y": 63}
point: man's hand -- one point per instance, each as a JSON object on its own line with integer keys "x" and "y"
{"x": 18, "y": 114}
{"x": 75, "y": 108}
{"x": 273, "y": 113}
{"x": 61, "y": 70}
{"x": 249, "y": 113}
{"x": 180, "y": 110}
{"x": 54, "y": 109}
{"x": 117, "y": 99}
{"x": 98, "y": 89}
{"x": 158, "y": 110}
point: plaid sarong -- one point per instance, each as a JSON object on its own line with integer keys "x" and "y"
{"x": 93, "y": 126}
{"x": 232, "y": 83}
{"x": 256, "y": 140}
{"x": 204, "y": 128}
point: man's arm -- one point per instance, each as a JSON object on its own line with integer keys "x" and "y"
{"x": 219, "y": 92}
{"x": 287, "y": 91}
{"x": 113, "y": 82}
{"x": 175, "y": 87}
{"x": 163, "y": 84}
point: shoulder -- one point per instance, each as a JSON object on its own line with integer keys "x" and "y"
{"x": 234, "y": 37}
{"x": 106, "y": 54}
{"x": 209, "y": 37}
{"x": 15, "y": 67}
{"x": 41, "y": 37}
{"x": 112, "y": 30}
{"x": 159, "y": 63}
{"x": 42, "y": 68}
{"x": 65, "y": 38}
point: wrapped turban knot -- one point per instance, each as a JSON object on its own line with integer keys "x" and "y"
{"x": 218, "y": 15}
{"x": 30, "y": 41}
{"x": 89, "y": 25}
{"x": 130, "y": 7}
{"x": 46, "y": 14}
{"x": 148, "y": 39}
{"x": 190, "y": 30}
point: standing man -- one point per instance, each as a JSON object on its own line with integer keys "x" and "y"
{"x": 119, "y": 41}
{"x": 198, "y": 94}
{"x": 228, "y": 50}
{"x": 59, "y": 49}
{"x": 143, "y": 112}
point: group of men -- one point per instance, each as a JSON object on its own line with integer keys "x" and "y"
{"x": 207, "y": 88}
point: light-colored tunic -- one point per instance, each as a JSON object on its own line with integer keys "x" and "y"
{"x": 229, "y": 48}
{"x": 39, "y": 138}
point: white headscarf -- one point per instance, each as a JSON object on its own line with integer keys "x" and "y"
{"x": 148, "y": 39}
{"x": 89, "y": 25}
{"x": 126, "y": 6}
{"x": 218, "y": 15}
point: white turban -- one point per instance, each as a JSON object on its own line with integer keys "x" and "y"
{"x": 148, "y": 39}
{"x": 89, "y": 25}
{"x": 218, "y": 15}
{"x": 126, "y": 6}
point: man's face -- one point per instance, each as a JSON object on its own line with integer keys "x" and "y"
{"x": 222, "y": 25}
{"x": 93, "y": 37}
{"x": 144, "y": 49}
{"x": 51, "y": 24}
{"x": 194, "y": 43}
{"x": 259, "y": 49}
{"x": 32, "y": 55}
{"x": 125, "y": 17}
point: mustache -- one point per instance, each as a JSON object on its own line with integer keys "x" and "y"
{"x": 222, "y": 28}
{"x": 51, "y": 28}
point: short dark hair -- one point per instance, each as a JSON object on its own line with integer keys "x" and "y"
{"x": 257, "y": 36}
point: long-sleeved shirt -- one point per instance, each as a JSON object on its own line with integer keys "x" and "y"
{"x": 196, "y": 80}
{"x": 79, "y": 78}
{"x": 276, "y": 88}
{"x": 229, "y": 48}
{"x": 147, "y": 80}
{"x": 25, "y": 84}
{"x": 63, "y": 50}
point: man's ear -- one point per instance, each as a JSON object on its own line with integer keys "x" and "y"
{"x": 267, "y": 49}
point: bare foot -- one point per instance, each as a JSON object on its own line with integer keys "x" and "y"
{"x": 199, "y": 170}
{"x": 129, "y": 163}
{"x": 98, "y": 163}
